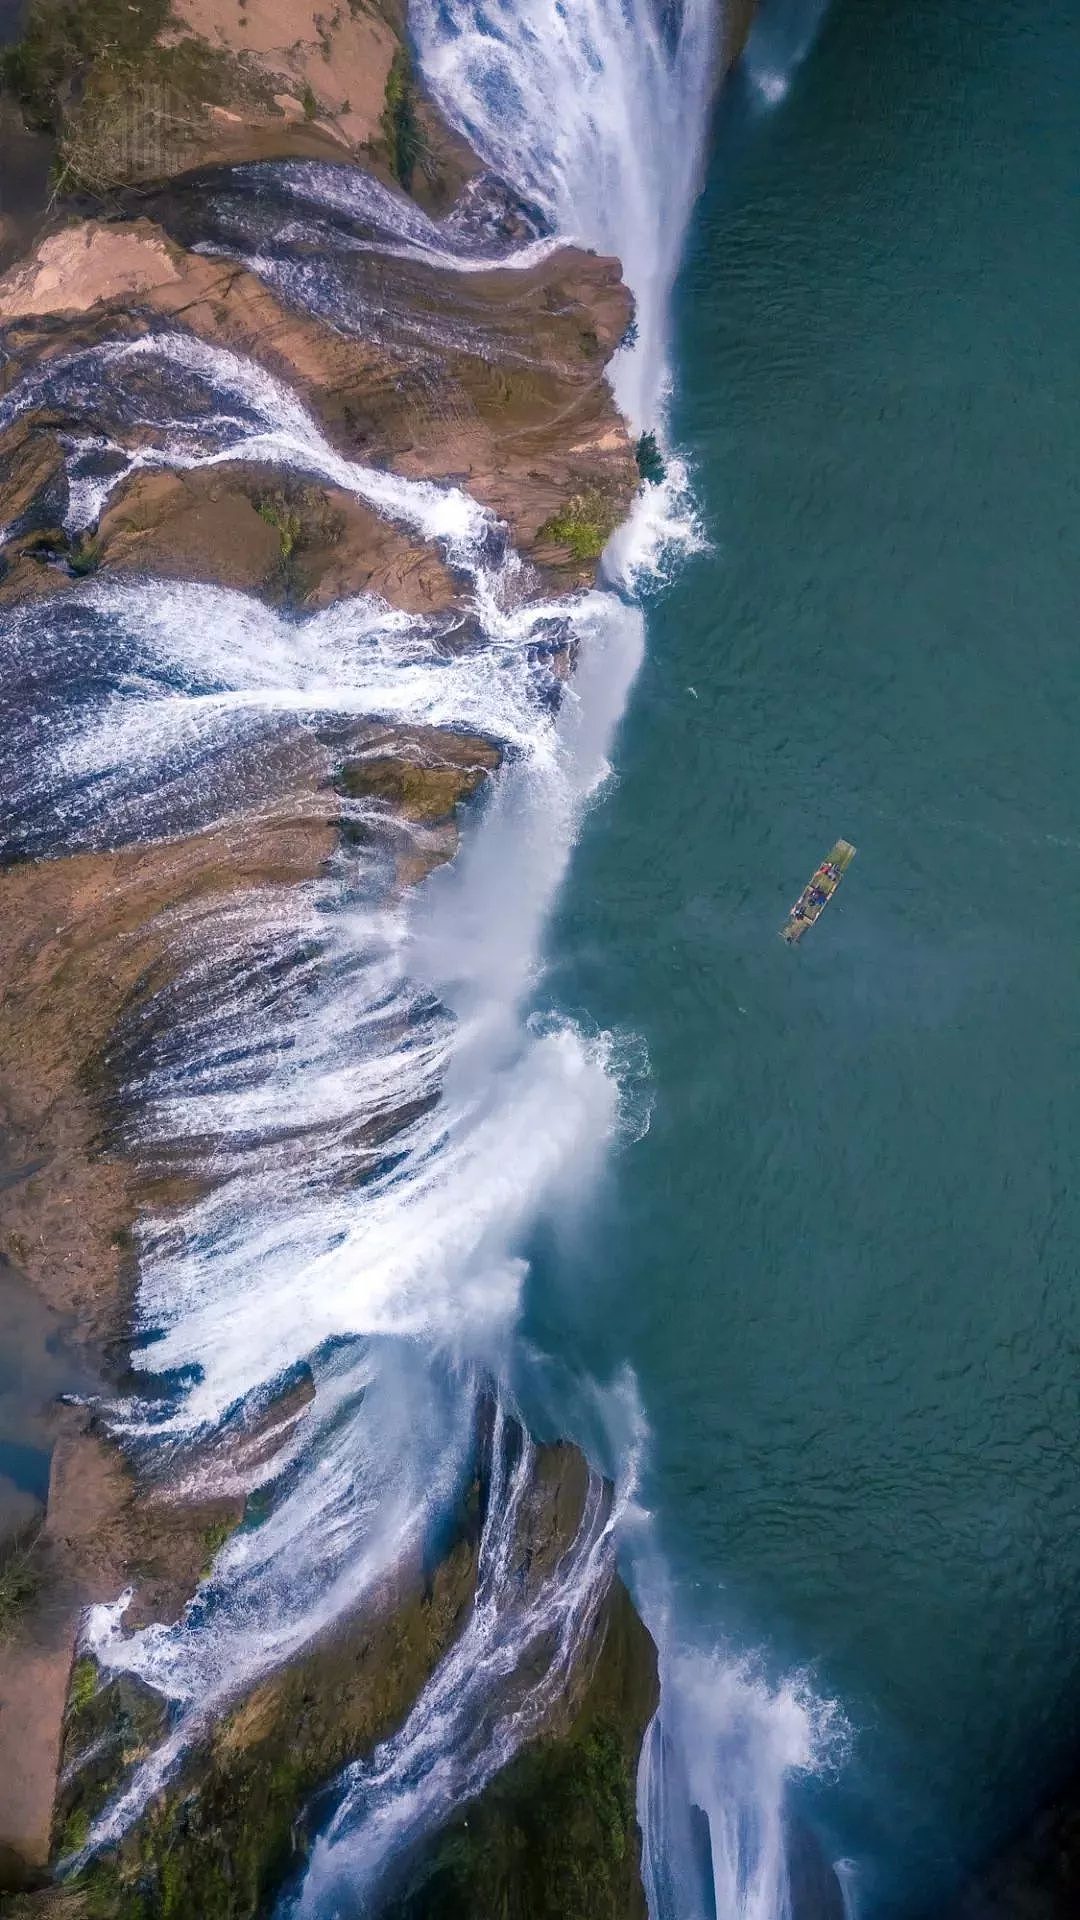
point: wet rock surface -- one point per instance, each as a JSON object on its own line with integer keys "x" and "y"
{"x": 522, "y": 416}
{"x": 223, "y": 1837}
{"x": 555, "y": 1835}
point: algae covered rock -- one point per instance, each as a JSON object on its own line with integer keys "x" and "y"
{"x": 555, "y": 1836}
{"x": 225, "y": 1832}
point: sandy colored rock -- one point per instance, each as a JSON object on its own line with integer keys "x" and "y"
{"x": 419, "y": 772}
{"x": 79, "y": 934}
{"x": 277, "y": 536}
{"x": 342, "y": 53}
{"x": 101, "y": 1533}
{"x": 82, "y": 265}
{"x": 521, "y": 414}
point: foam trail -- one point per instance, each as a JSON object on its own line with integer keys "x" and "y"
{"x": 315, "y": 232}
{"x": 256, "y": 419}
{"x": 783, "y": 33}
{"x": 173, "y": 673}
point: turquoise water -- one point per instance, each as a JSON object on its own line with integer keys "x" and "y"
{"x": 843, "y": 1262}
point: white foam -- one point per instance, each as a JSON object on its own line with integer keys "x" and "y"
{"x": 716, "y": 1771}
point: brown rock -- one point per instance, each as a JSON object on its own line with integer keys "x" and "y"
{"x": 280, "y": 537}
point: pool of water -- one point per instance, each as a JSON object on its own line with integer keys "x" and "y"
{"x": 842, "y": 1262}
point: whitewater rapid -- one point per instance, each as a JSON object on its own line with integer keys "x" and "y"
{"x": 392, "y": 1033}
{"x": 348, "y": 1073}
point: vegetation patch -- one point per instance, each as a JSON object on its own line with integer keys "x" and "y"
{"x": 552, "y": 1839}
{"x": 274, "y": 508}
{"x": 145, "y": 118}
{"x": 83, "y": 1684}
{"x": 85, "y": 555}
{"x": 20, "y": 1579}
{"x": 427, "y": 794}
{"x": 304, "y": 521}
{"x": 216, "y": 1844}
{"x": 126, "y": 108}
{"x": 584, "y": 524}
{"x": 214, "y": 1538}
{"x": 64, "y": 39}
{"x": 399, "y": 123}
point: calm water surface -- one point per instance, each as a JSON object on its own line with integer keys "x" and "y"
{"x": 844, "y": 1261}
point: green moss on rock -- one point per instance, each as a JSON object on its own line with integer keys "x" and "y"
{"x": 555, "y": 1836}
{"x": 584, "y": 524}
{"x": 64, "y": 38}
{"x": 422, "y": 793}
{"x": 126, "y": 108}
{"x": 553, "y": 1839}
{"x": 220, "y": 1840}
{"x": 82, "y": 1685}
{"x": 399, "y": 122}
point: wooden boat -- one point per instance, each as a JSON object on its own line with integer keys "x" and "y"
{"x": 817, "y": 892}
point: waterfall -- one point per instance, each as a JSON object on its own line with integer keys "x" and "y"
{"x": 477, "y": 1711}
{"x": 596, "y": 111}
{"x": 391, "y": 1272}
{"x": 372, "y": 1120}
{"x": 712, "y": 1786}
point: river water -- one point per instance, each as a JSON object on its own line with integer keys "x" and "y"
{"x": 842, "y": 1262}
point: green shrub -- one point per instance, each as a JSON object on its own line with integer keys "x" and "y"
{"x": 74, "y": 1833}
{"x": 650, "y": 460}
{"x": 85, "y": 556}
{"x": 20, "y": 1579}
{"x": 286, "y": 522}
{"x": 82, "y": 1685}
{"x": 584, "y": 524}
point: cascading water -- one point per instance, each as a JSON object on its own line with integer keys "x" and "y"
{"x": 597, "y": 112}
{"x": 382, "y": 1257}
{"x": 438, "y": 1120}
{"x": 476, "y": 1711}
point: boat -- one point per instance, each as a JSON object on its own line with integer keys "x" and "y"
{"x": 817, "y": 892}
